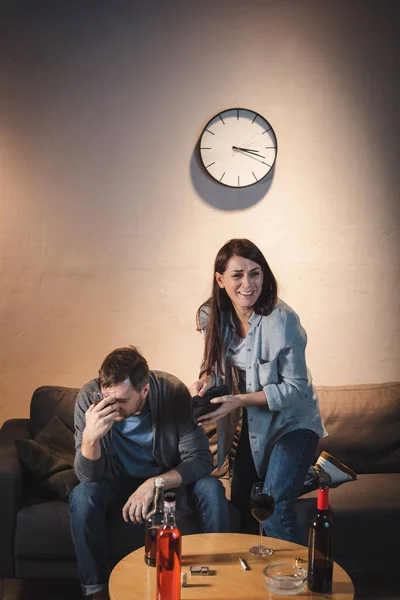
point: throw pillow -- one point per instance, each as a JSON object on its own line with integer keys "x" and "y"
{"x": 50, "y": 458}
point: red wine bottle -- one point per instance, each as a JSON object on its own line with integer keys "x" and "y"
{"x": 320, "y": 547}
{"x": 168, "y": 559}
{"x": 154, "y": 521}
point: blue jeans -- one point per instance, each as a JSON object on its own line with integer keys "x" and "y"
{"x": 90, "y": 504}
{"x": 289, "y": 473}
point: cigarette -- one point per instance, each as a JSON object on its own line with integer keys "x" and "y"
{"x": 244, "y": 564}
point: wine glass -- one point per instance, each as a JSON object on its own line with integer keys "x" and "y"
{"x": 97, "y": 396}
{"x": 262, "y": 506}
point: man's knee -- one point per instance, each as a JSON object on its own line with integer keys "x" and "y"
{"x": 209, "y": 486}
{"x": 83, "y": 496}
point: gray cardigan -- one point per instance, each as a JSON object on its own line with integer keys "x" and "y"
{"x": 177, "y": 444}
{"x": 275, "y": 363}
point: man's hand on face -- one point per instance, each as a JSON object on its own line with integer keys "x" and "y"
{"x": 100, "y": 418}
{"x": 137, "y": 505}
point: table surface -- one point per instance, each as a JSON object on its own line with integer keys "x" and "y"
{"x": 132, "y": 579}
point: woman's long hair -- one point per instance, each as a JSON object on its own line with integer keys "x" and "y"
{"x": 219, "y": 300}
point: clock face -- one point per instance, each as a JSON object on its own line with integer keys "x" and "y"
{"x": 238, "y": 147}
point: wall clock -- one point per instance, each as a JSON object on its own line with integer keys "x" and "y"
{"x": 238, "y": 147}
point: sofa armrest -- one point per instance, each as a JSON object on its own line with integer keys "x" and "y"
{"x": 11, "y": 490}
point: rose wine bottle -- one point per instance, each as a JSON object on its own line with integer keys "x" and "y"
{"x": 320, "y": 547}
{"x": 154, "y": 521}
{"x": 169, "y": 553}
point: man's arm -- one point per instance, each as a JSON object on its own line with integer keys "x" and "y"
{"x": 91, "y": 424}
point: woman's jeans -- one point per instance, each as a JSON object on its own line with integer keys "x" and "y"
{"x": 289, "y": 473}
{"x": 90, "y": 505}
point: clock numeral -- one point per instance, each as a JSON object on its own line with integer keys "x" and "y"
{"x": 264, "y": 163}
{"x": 255, "y": 117}
{"x": 222, "y": 175}
{"x": 266, "y": 131}
{"x": 254, "y": 176}
{"x": 221, "y": 119}
{"x": 205, "y": 148}
{"x": 271, "y": 147}
{"x": 210, "y": 165}
{"x": 209, "y": 131}
{"x": 238, "y": 114}
{"x": 238, "y": 181}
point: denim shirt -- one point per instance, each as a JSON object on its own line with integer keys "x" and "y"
{"x": 276, "y": 364}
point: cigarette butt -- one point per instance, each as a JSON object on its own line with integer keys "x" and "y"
{"x": 244, "y": 564}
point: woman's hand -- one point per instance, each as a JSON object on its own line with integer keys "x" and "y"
{"x": 227, "y": 405}
{"x": 199, "y": 387}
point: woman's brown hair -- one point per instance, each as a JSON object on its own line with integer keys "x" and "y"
{"x": 219, "y": 300}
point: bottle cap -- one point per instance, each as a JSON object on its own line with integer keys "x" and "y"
{"x": 323, "y": 499}
{"x": 169, "y": 498}
{"x": 159, "y": 482}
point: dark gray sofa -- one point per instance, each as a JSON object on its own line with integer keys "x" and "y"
{"x": 364, "y": 426}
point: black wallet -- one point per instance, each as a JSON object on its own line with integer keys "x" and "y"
{"x": 201, "y": 405}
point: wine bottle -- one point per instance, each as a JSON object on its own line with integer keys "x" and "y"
{"x": 320, "y": 547}
{"x": 169, "y": 553}
{"x": 153, "y": 522}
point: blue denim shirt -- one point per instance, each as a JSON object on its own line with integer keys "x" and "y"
{"x": 275, "y": 363}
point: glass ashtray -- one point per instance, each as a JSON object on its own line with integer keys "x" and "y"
{"x": 285, "y": 578}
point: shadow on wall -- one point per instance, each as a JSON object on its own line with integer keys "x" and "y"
{"x": 223, "y": 197}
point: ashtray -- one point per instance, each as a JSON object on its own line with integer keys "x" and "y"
{"x": 285, "y": 578}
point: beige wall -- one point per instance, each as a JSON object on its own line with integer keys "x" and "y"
{"x": 108, "y": 226}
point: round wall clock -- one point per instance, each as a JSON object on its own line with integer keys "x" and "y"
{"x": 238, "y": 147}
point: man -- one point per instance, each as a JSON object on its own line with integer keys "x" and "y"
{"x": 142, "y": 428}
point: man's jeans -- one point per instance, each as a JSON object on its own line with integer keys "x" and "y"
{"x": 91, "y": 503}
{"x": 289, "y": 473}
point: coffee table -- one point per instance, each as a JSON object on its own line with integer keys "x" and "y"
{"x": 132, "y": 579}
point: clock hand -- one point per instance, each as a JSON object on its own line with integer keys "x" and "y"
{"x": 247, "y": 153}
{"x": 244, "y": 149}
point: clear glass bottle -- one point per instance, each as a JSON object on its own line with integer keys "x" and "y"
{"x": 320, "y": 547}
{"x": 153, "y": 522}
{"x": 169, "y": 553}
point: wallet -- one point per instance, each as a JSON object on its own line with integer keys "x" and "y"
{"x": 201, "y": 405}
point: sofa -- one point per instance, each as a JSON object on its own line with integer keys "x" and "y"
{"x": 364, "y": 426}
{"x": 363, "y": 422}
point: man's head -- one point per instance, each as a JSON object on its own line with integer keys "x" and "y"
{"x": 124, "y": 376}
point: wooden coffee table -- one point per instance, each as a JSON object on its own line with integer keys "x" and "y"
{"x": 132, "y": 579}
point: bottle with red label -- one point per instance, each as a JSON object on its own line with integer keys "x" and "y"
{"x": 320, "y": 546}
{"x": 168, "y": 559}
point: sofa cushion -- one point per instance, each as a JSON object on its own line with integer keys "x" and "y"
{"x": 43, "y": 531}
{"x": 50, "y": 458}
{"x": 49, "y": 401}
{"x": 365, "y": 514}
{"x": 363, "y": 422}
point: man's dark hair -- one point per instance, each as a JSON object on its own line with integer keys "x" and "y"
{"x": 122, "y": 364}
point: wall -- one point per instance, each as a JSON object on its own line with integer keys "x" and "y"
{"x": 108, "y": 225}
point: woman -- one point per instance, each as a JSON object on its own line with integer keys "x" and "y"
{"x": 255, "y": 344}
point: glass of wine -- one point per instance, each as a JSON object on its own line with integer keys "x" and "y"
{"x": 262, "y": 506}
